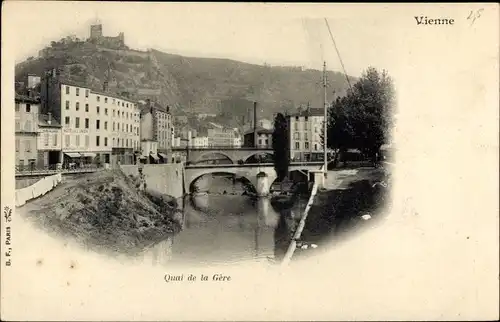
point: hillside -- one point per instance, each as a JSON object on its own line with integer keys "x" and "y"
{"x": 186, "y": 83}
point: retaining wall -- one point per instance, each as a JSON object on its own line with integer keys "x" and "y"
{"x": 163, "y": 178}
{"x": 37, "y": 189}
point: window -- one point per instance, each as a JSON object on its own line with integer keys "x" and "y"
{"x": 127, "y": 115}
{"x": 306, "y": 118}
{"x": 86, "y": 93}
{"x": 296, "y": 126}
{"x": 296, "y": 118}
{"x": 28, "y": 108}
{"x": 118, "y": 124}
{"x": 77, "y": 122}
{"x": 127, "y": 104}
{"x": 27, "y": 126}
{"x": 105, "y": 111}
{"x": 86, "y": 123}
{"x": 97, "y": 123}
{"x": 118, "y": 142}
{"x": 113, "y": 126}
{"x": 123, "y": 104}
{"x": 97, "y": 140}
{"x": 105, "y": 100}
{"x": 17, "y": 107}
{"x": 97, "y": 108}
{"x": 67, "y": 105}
{"x": 86, "y": 107}
{"x": 77, "y": 92}
{"x": 114, "y": 101}
{"x": 105, "y": 141}
{"x": 296, "y": 136}
{"x": 113, "y": 142}
{"x": 106, "y": 125}
{"x": 306, "y": 137}
{"x": 316, "y": 147}
{"x": 27, "y": 145}
{"x": 17, "y": 145}
{"x": 306, "y": 145}
{"x": 66, "y": 120}
{"x": 54, "y": 141}
{"x": 127, "y": 128}
{"x": 114, "y": 114}
{"x": 18, "y": 126}
{"x": 66, "y": 140}
{"x": 77, "y": 106}
{"x": 67, "y": 89}
{"x": 126, "y": 143}
{"x": 87, "y": 141}
{"x": 77, "y": 140}
{"x": 265, "y": 141}
{"x": 297, "y": 145}
{"x": 98, "y": 98}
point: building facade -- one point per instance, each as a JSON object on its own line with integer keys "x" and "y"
{"x": 26, "y": 132}
{"x": 49, "y": 142}
{"x": 200, "y": 142}
{"x": 263, "y": 139}
{"x": 156, "y": 125}
{"x": 220, "y": 137}
{"x": 305, "y": 129}
{"x": 97, "y": 126}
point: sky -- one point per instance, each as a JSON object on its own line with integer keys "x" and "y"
{"x": 277, "y": 34}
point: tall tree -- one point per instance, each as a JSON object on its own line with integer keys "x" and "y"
{"x": 281, "y": 147}
{"x": 363, "y": 118}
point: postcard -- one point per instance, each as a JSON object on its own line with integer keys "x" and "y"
{"x": 249, "y": 161}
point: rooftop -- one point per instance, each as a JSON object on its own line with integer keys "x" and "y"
{"x": 95, "y": 91}
{"x": 260, "y": 130}
{"x": 308, "y": 112}
{"x": 26, "y": 99}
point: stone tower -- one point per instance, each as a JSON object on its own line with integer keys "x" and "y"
{"x": 96, "y": 31}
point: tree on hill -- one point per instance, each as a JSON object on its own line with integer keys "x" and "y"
{"x": 281, "y": 147}
{"x": 363, "y": 118}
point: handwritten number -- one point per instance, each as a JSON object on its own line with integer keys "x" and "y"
{"x": 474, "y": 15}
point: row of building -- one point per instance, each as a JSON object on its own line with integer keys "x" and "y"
{"x": 68, "y": 124}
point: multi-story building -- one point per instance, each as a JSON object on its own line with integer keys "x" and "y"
{"x": 200, "y": 142}
{"x": 156, "y": 125}
{"x": 263, "y": 139}
{"x": 49, "y": 142}
{"x": 305, "y": 128}
{"x": 26, "y": 121}
{"x": 237, "y": 141}
{"x": 97, "y": 126}
{"x": 220, "y": 137}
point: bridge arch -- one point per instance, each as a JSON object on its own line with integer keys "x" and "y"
{"x": 192, "y": 182}
{"x": 203, "y": 157}
{"x": 256, "y": 153}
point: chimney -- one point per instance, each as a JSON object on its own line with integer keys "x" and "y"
{"x": 255, "y": 124}
{"x": 168, "y": 109}
{"x": 49, "y": 119}
{"x": 105, "y": 86}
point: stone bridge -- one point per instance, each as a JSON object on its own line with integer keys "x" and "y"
{"x": 261, "y": 176}
{"x": 230, "y": 155}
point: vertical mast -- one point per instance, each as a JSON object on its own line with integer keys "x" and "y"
{"x": 325, "y": 139}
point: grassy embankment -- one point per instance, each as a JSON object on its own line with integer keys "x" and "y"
{"x": 106, "y": 212}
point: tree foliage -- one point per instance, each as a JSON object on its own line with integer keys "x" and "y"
{"x": 363, "y": 118}
{"x": 281, "y": 146}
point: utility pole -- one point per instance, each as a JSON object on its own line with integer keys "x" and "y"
{"x": 325, "y": 166}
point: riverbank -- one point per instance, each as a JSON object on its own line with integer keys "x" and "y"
{"x": 104, "y": 212}
{"x": 338, "y": 210}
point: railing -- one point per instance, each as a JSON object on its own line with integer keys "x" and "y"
{"x": 51, "y": 169}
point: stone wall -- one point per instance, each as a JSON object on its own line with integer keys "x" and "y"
{"x": 162, "y": 178}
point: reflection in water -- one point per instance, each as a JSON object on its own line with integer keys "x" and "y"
{"x": 221, "y": 229}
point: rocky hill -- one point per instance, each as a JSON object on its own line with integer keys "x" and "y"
{"x": 187, "y": 84}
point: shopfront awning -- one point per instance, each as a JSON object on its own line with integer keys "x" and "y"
{"x": 88, "y": 154}
{"x": 154, "y": 156}
{"x": 143, "y": 157}
{"x": 73, "y": 154}
{"x": 164, "y": 156}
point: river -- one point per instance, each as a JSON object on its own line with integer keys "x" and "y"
{"x": 226, "y": 227}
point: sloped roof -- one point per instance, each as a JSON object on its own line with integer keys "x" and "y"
{"x": 260, "y": 130}
{"x": 309, "y": 112}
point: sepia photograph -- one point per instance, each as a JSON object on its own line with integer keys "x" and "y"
{"x": 179, "y": 145}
